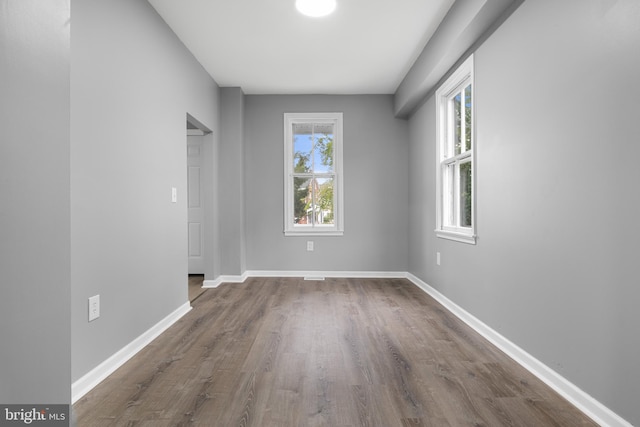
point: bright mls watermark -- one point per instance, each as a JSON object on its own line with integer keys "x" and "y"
{"x": 37, "y": 415}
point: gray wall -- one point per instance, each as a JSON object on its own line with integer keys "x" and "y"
{"x": 211, "y": 146}
{"x": 555, "y": 267}
{"x": 132, "y": 85}
{"x": 375, "y": 186}
{"x": 231, "y": 178}
{"x": 34, "y": 212}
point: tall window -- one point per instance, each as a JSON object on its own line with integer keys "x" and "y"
{"x": 313, "y": 173}
{"x": 455, "y": 168}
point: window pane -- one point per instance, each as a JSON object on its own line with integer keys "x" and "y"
{"x": 467, "y": 117}
{"x": 302, "y": 198}
{"x": 323, "y": 128}
{"x": 457, "y": 123}
{"x": 323, "y": 148}
{"x": 447, "y": 194}
{"x": 302, "y": 146}
{"x": 465, "y": 194}
{"x": 324, "y": 201}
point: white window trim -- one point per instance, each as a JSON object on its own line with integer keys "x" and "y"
{"x": 289, "y": 228}
{"x": 460, "y": 78}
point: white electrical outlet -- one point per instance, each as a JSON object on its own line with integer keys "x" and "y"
{"x": 438, "y": 258}
{"x": 94, "y": 307}
{"x": 174, "y": 195}
{"x": 310, "y": 245}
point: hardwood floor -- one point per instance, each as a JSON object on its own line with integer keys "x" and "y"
{"x": 340, "y": 352}
{"x": 195, "y": 286}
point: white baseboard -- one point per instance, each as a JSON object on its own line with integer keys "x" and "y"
{"x": 319, "y": 273}
{"x": 87, "y": 382}
{"x": 581, "y": 400}
{"x": 224, "y": 279}
{"x": 299, "y": 273}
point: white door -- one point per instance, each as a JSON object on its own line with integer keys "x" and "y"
{"x": 195, "y": 204}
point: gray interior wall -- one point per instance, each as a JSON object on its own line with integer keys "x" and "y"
{"x": 132, "y": 84}
{"x": 34, "y": 212}
{"x": 554, "y": 269}
{"x": 212, "y": 245}
{"x": 231, "y": 178}
{"x": 375, "y": 186}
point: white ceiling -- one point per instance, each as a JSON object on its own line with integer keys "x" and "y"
{"x": 267, "y": 47}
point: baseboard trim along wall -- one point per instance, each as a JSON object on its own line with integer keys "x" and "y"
{"x": 87, "y": 382}
{"x": 583, "y": 401}
{"x": 272, "y": 273}
{"x": 209, "y": 284}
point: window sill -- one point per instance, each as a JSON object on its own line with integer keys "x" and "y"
{"x": 456, "y": 236}
{"x": 290, "y": 233}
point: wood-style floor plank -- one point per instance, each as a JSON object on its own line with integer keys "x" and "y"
{"x": 341, "y": 352}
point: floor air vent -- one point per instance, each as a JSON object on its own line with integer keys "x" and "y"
{"x": 313, "y": 278}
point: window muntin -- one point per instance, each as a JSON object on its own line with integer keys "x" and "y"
{"x": 455, "y": 156}
{"x": 313, "y": 158}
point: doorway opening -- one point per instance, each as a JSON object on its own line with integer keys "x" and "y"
{"x": 199, "y": 203}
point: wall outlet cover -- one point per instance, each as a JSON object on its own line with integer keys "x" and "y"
{"x": 94, "y": 307}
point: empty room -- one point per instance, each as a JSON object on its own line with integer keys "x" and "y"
{"x": 375, "y": 213}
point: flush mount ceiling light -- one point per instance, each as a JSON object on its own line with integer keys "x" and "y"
{"x": 315, "y": 8}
